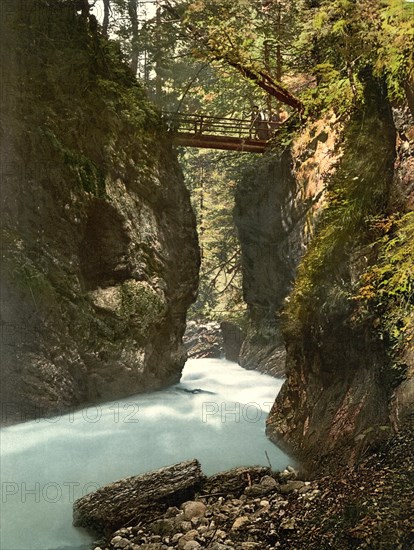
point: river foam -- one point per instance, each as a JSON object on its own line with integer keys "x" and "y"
{"x": 216, "y": 414}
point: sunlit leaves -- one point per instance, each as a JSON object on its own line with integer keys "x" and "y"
{"x": 353, "y": 36}
{"x": 386, "y": 289}
{"x": 396, "y": 44}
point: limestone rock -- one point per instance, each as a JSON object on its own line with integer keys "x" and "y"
{"x": 193, "y": 509}
{"x": 240, "y": 522}
{"x": 291, "y": 486}
{"x": 267, "y": 217}
{"x": 203, "y": 340}
{"x": 185, "y": 539}
{"x": 119, "y": 542}
{"x": 267, "y": 485}
{"x": 288, "y": 524}
{"x": 234, "y": 481}
{"x": 339, "y": 374}
{"x": 269, "y": 481}
{"x": 149, "y": 546}
{"x": 162, "y": 527}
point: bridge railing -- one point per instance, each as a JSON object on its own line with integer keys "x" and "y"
{"x": 241, "y": 128}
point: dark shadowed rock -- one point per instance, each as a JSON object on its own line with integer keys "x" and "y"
{"x": 268, "y": 218}
{"x": 233, "y": 338}
{"x": 137, "y": 498}
{"x": 264, "y": 350}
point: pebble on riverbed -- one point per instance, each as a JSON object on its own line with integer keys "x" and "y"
{"x": 252, "y": 517}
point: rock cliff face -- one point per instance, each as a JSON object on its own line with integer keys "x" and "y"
{"x": 347, "y": 321}
{"x": 267, "y": 217}
{"x": 277, "y": 205}
{"x": 100, "y": 253}
{"x": 402, "y": 198}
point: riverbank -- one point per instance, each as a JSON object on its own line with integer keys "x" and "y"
{"x": 369, "y": 506}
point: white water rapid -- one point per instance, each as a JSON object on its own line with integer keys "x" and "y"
{"x": 46, "y": 464}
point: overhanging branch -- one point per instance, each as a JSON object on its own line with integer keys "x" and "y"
{"x": 261, "y": 78}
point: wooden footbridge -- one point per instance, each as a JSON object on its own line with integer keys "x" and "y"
{"x": 229, "y": 134}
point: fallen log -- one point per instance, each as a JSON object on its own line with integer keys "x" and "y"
{"x": 138, "y": 498}
{"x": 233, "y": 481}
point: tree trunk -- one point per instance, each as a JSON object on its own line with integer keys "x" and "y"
{"x": 158, "y": 56}
{"x": 83, "y": 7}
{"x": 105, "y": 23}
{"x": 279, "y": 60}
{"x": 266, "y": 55}
{"x": 134, "y": 499}
{"x": 133, "y": 16}
{"x": 266, "y": 82}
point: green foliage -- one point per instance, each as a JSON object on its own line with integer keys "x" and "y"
{"x": 141, "y": 306}
{"x": 341, "y": 38}
{"x": 334, "y": 92}
{"x": 180, "y": 44}
{"x": 386, "y": 290}
{"x": 188, "y": 51}
{"x": 320, "y": 49}
{"x": 104, "y": 124}
{"x": 89, "y": 176}
{"x": 395, "y": 57}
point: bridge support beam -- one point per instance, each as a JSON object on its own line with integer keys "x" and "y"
{"x": 224, "y": 143}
